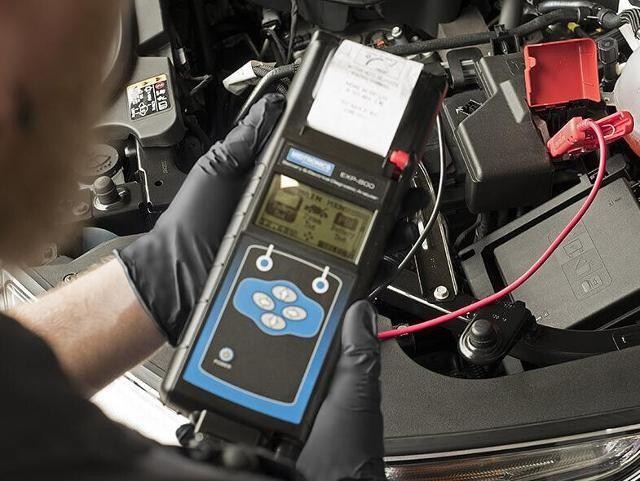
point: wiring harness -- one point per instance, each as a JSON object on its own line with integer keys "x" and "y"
{"x": 632, "y": 17}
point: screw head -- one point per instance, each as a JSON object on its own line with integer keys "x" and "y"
{"x": 396, "y": 32}
{"x": 69, "y": 277}
{"x": 441, "y": 293}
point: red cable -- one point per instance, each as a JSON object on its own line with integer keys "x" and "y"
{"x": 587, "y": 124}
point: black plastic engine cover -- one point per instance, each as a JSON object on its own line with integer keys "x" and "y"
{"x": 593, "y": 276}
{"x": 493, "y": 130}
{"x": 591, "y": 279}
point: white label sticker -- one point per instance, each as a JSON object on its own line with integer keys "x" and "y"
{"x": 363, "y": 96}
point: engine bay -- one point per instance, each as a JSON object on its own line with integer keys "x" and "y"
{"x": 502, "y": 175}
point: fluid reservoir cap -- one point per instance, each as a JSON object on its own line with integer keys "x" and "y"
{"x": 482, "y": 335}
{"x": 100, "y": 159}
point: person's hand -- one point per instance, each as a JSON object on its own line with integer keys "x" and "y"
{"x": 168, "y": 267}
{"x": 346, "y": 441}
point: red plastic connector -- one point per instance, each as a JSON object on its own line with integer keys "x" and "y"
{"x": 576, "y": 138}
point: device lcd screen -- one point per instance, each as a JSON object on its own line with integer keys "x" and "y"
{"x": 315, "y": 218}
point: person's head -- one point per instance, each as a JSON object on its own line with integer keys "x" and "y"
{"x": 52, "y": 54}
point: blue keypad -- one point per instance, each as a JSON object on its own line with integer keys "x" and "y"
{"x": 278, "y": 308}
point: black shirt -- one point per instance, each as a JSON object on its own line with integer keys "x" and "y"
{"x": 50, "y": 432}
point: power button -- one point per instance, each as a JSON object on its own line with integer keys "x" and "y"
{"x": 226, "y": 354}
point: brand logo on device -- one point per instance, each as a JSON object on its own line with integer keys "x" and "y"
{"x": 310, "y": 162}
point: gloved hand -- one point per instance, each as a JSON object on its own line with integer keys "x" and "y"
{"x": 168, "y": 266}
{"x": 346, "y": 441}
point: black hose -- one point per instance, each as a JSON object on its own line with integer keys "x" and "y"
{"x": 564, "y": 15}
{"x": 426, "y": 46}
{"x": 511, "y": 13}
{"x": 294, "y": 28}
{"x": 538, "y": 23}
{"x": 465, "y": 233}
{"x": 607, "y": 18}
{"x": 202, "y": 30}
{"x": 261, "y": 69}
{"x": 549, "y": 5}
{"x": 276, "y": 74}
{"x": 193, "y": 125}
{"x": 486, "y": 225}
{"x": 278, "y": 50}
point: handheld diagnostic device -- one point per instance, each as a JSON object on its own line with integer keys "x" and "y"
{"x": 306, "y": 240}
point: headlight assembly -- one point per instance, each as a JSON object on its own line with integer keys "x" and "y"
{"x": 603, "y": 458}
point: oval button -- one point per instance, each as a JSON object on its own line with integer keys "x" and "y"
{"x": 263, "y": 301}
{"x": 294, "y": 313}
{"x": 272, "y": 321}
{"x": 284, "y": 294}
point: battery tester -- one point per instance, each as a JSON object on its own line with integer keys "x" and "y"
{"x": 305, "y": 241}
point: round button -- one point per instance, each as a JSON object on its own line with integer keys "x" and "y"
{"x": 226, "y": 354}
{"x": 284, "y": 294}
{"x": 272, "y": 321}
{"x": 264, "y": 263}
{"x": 294, "y": 313}
{"x": 263, "y": 301}
{"x": 320, "y": 285}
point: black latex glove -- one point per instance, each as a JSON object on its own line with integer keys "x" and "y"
{"x": 346, "y": 442}
{"x": 168, "y": 266}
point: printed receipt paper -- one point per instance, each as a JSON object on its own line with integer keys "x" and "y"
{"x": 363, "y": 95}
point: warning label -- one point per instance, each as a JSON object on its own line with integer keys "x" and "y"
{"x": 148, "y": 97}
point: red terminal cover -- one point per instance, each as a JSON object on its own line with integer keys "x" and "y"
{"x": 559, "y": 72}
